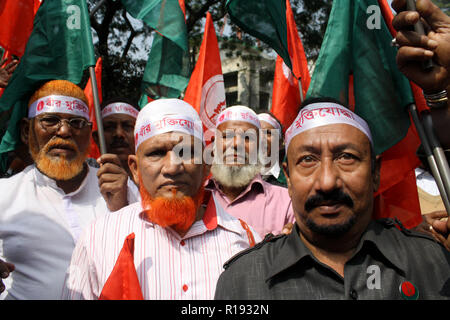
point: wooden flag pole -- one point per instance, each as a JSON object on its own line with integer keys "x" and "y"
{"x": 98, "y": 114}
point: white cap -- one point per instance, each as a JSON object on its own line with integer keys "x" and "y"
{"x": 322, "y": 114}
{"x": 167, "y": 115}
{"x": 238, "y": 113}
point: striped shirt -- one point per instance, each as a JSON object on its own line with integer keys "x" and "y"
{"x": 168, "y": 266}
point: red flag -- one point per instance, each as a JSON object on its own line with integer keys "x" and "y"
{"x": 123, "y": 282}
{"x": 16, "y": 18}
{"x": 397, "y": 195}
{"x": 286, "y": 97}
{"x": 94, "y": 152}
{"x": 206, "y": 90}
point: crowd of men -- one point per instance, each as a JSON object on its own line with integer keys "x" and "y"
{"x": 229, "y": 229}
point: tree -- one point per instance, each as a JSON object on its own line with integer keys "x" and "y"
{"x": 124, "y": 43}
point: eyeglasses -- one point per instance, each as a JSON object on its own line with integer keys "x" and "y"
{"x": 52, "y": 123}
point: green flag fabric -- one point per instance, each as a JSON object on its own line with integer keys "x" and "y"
{"x": 357, "y": 41}
{"x": 165, "y": 16}
{"x": 60, "y": 47}
{"x": 265, "y": 20}
{"x": 167, "y": 71}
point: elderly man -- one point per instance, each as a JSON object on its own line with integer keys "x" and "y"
{"x": 118, "y": 119}
{"x": 46, "y": 206}
{"x": 271, "y": 134}
{"x": 336, "y": 250}
{"x": 236, "y": 181}
{"x": 181, "y": 234}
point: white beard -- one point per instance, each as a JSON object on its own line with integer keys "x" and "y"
{"x": 236, "y": 176}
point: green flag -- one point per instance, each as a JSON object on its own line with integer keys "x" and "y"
{"x": 167, "y": 71}
{"x": 60, "y": 47}
{"x": 265, "y": 20}
{"x": 357, "y": 41}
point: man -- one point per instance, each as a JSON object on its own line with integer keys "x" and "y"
{"x": 413, "y": 51}
{"x": 7, "y": 71}
{"x": 271, "y": 130}
{"x": 236, "y": 181}
{"x": 46, "y": 206}
{"x": 182, "y": 235}
{"x": 335, "y": 250}
{"x": 118, "y": 119}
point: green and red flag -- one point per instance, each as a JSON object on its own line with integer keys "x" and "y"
{"x": 167, "y": 71}
{"x": 206, "y": 89}
{"x": 265, "y": 20}
{"x": 287, "y": 84}
{"x": 16, "y": 17}
{"x": 59, "y": 47}
{"x": 357, "y": 47}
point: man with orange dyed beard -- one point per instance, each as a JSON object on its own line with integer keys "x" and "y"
{"x": 180, "y": 235}
{"x": 47, "y": 205}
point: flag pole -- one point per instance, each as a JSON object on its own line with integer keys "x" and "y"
{"x": 430, "y": 157}
{"x": 98, "y": 114}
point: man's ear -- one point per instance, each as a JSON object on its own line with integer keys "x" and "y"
{"x": 132, "y": 163}
{"x": 376, "y": 173}
{"x": 25, "y": 130}
{"x": 285, "y": 166}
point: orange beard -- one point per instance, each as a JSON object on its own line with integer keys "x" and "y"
{"x": 179, "y": 213}
{"x": 58, "y": 168}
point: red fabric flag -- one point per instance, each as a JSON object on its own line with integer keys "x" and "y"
{"x": 94, "y": 152}
{"x": 397, "y": 195}
{"x": 123, "y": 282}
{"x": 16, "y": 18}
{"x": 206, "y": 90}
{"x": 286, "y": 97}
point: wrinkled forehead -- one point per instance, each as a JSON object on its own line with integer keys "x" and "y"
{"x": 331, "y": 138}
{"x": 168, "y": 141}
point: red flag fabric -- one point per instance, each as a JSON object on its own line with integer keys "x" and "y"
{"x": 123, "y": 282}
{"x": 397, "y": 195}
{"x": 206, "y": 89}
{"x": 94, "y": 152}
{"x": 17, "y": 18}
{"x": 286, "y": 97}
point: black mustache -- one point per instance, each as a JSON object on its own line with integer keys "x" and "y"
{"x": 336, "y": 196}
{"x": 119, "y": 144}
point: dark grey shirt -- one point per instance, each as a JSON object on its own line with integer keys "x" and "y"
{"x": 386, "y": 260}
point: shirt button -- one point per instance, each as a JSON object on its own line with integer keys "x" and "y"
{"x": 185, "y": 288}
{"x": 182, "y": 243}
{"x": 353, "y": 294}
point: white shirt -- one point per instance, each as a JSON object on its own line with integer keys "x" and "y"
{"x": 39, "y": 226}
{"x": 168, "y": 267}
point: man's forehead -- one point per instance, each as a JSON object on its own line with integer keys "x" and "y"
{"x": 167, "y": 139}
{"x": 118, "y": 117}
{"x": 236, "y": 125}
{"x": 331, "y": 136}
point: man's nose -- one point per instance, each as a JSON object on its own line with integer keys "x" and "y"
{"x": 328, "y": 176}
{"x": 172, "y": 164}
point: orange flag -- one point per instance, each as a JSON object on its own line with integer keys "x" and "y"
{"x": 123, "y": 282}
{"x": 397, "y": 195}
{"x": 94, "y": 152}
{"x": 16, "y": 18}
{"x": 206, "y": 90}
{"x": 286, "y": 98}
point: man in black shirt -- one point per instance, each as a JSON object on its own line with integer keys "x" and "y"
{"x": 335, "y": 250}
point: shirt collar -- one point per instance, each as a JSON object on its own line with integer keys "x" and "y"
{"x": 257, "y": 185}
{"x": 374, "y": 238}
{"x": 43, "y": 180}
{"x": 274, "y": 171}
{"x": 214, "y": 216}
